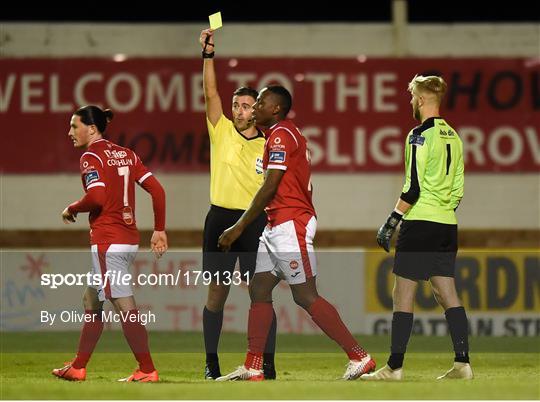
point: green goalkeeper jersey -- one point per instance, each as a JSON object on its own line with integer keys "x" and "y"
{"x": 434, "y": 172}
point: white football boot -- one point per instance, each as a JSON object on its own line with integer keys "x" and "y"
{"x": 356, "y": 368}
{"x": 458, "y": 371}
{"x": 242, "y": 373}
{"x": 384, "y": 374}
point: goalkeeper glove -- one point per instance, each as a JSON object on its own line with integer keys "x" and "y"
{"x": 387, "y": 230}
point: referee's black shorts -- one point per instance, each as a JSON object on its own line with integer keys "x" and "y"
{"x": 243, "y": 249}
{"x": 425, "y": 249}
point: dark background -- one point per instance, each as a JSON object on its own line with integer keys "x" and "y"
{"x": 420, "y": 11}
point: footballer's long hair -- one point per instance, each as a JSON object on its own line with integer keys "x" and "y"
{"x": 92, "y": 114}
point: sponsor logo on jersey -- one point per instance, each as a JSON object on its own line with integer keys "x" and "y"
{"x": 417, "y": 140}
{"x": 115, "y": 154}
{"x": 118, "y": 158}
{"x": 277, "y": 156}
{"x": 295, "y": 274}
{"x": 91, "y": 177}
{"x": 277, "y": 140}
{"x": 274, "y": 147}
{"x": 259, "y": 166}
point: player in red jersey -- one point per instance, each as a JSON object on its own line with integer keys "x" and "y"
{"x": 286, "y": 245}
{"x": 109, "y": 173}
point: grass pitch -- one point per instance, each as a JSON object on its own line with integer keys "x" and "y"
{"x": 309, "y": 367}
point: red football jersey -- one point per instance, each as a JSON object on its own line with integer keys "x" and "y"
{"x": 286, "y": 149}
{"x": 117, "y": 169}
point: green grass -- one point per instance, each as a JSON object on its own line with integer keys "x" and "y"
{"x": 308, "y": 368}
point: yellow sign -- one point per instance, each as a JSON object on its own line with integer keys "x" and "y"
{"x": 215, "y": 21}
{"x": 486, "y": 280}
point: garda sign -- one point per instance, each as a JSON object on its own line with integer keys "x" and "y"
{"x": 500, "y": 290}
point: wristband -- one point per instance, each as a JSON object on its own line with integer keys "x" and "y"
{"x": 207, "y": 55}
{"x": 394, "y": 219}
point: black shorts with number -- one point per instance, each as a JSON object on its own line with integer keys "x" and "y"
{"x": 425, "y": 249}
{"x": 244, "y": 248}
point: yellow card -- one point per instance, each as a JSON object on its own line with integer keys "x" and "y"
{"x": 215, "y": 20}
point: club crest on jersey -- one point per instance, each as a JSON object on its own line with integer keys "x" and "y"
{"x": 91, "y": 177}
{"x": 127, "y": 215}
{"x": 277, "y": 156}
{"x": 416, "y": 140}
{"x": 259, "y": 166}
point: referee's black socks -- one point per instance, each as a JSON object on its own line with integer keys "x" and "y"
{"x": 458, "y": 326}
{"x": 212, "y": 323}
{"x": 401, "y": 331}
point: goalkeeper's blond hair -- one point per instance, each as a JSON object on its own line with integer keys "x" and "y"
{"x": 430, "y": 84}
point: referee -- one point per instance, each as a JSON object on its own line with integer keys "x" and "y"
{"x": 427, "y": 242}
{"x": 236, "y": 174}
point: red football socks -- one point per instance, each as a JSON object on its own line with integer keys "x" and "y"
{"x": 90, "y": 334}
{"x": 259, "y": 322}
{"x": 328, "y": 319}
{"x": 137, "y": 337}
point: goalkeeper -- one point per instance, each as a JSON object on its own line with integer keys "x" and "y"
{"x": 427, "y": 242}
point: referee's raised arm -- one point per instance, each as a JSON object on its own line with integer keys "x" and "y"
{"x": 236, "y": 174}
{"x": 214, "y": 109}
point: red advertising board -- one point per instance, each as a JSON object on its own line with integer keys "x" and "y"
{"x": 354, "y": 112}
